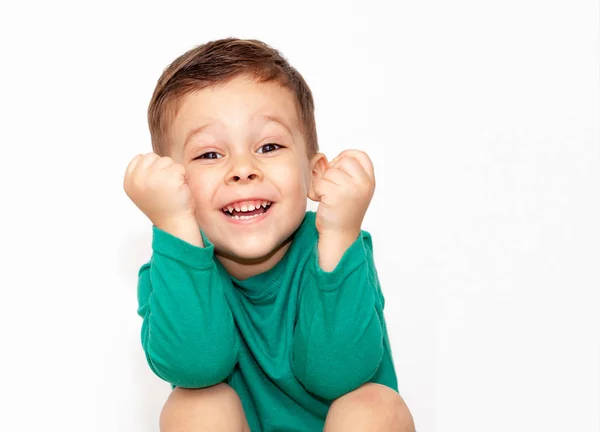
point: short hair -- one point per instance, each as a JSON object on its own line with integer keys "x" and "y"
{"x": 217, "y": 62}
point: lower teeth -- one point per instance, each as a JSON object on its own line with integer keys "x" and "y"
{"x": 246, "y": 217}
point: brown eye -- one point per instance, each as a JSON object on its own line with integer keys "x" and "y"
{"x": 271, "y": 147}
{"x": 208, "y": 155}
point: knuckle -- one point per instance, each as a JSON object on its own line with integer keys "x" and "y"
{"x": 348, "y": 162}
{"x": 164, "y": 161}
{"x": 150, "y": 158}
{"x": 134, "y": 159}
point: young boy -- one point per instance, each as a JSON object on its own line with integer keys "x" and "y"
{"x": 262, "y": 315}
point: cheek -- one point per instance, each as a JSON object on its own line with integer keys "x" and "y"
{"x": 202, "y": 185}
{"x": 291, "y": 177}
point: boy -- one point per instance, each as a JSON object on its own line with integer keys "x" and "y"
{"x": 261, "y": 315}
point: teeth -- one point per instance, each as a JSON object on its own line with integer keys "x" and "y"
{"x": 247, "y": 207}
{"x": 244, "y": 217}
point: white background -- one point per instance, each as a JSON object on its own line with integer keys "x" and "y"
{"x": 481, "y": 118}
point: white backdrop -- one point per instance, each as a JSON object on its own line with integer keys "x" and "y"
{"x": 482, "y": 120}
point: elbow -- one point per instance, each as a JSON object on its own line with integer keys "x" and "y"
{"x": 189, "y": 370}
{"x": 333, "y": 374}
{"x": 189, "y": 359}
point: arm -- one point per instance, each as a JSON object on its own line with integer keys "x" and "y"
{"x": 188, "y": 333}
{"x": 338, "y": 341}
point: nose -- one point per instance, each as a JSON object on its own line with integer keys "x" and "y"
{"x": 243, "y": 170}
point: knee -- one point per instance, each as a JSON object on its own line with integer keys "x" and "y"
{"x": 215, "y": 408}
{"x": 370, "y": 407}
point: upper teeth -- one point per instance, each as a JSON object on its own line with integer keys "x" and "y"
{"x": 247, "y": 206}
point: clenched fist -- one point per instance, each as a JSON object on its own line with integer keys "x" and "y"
{"x": 344, "y": 192}
{"x": 158, "y": 187}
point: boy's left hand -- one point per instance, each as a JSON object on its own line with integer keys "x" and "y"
{"x": 344, "y": 191}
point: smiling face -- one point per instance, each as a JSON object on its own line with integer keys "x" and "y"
{"x": 243, "y": 147}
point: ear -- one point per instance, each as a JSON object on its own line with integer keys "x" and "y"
{"x": 318, "y": 166}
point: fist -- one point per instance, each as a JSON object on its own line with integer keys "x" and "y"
{"x": 158, "y": 187}
{"x": 344, "y": 191}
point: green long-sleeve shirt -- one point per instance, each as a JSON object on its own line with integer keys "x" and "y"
{"x": 289, "y": 341}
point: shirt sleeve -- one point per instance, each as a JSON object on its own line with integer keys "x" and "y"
{"x": 188, "y": 333}
{"x": 338, "y": 340}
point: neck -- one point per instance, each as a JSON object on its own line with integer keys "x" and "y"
{"x": 243, "y": 269}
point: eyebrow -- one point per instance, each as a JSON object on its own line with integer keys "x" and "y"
{"x": 266, "y": 119}
{"x": 275, "y": 119}
{"x": 196, "y": 131}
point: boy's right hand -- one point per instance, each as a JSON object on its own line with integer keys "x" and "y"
{"x": 158, "y": 187}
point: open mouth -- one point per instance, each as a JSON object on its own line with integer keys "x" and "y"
{"x": 247, "y": 214}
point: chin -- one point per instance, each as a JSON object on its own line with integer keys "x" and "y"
{"x": 257, "y": 242}
{"x": 250, "y": 249}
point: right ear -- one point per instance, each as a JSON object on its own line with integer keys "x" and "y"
{"x": 318, "y": 166}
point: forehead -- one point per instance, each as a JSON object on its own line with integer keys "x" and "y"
{"x": 233, "y": 105}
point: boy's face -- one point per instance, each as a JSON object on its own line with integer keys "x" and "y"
{"x": 242, "y": 141}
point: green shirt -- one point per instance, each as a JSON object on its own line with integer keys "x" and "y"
{"x": 289, "y": 340}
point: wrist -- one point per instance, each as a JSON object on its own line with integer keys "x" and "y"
{"x": 185, "y": 228}
{"x": 341, "y": 236}
{"x": 332, "y": 246}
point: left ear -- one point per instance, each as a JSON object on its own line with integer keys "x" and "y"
{"x": 318, "y": 166}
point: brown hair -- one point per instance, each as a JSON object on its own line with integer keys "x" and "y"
{"x": 217, "y": 62}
